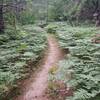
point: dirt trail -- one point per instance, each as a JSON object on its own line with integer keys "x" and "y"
{"x": 35, "y": 90}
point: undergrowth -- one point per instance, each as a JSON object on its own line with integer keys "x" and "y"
{"x": 80, "y": 70}
{"x": 19, "y": 56}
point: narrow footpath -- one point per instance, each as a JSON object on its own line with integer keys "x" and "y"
{"x": 36, "y": 88}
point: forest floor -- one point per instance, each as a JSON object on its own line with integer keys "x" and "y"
{"x": 35, "y": 88}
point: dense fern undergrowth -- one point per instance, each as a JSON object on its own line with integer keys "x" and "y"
{"x": 80, "y": 70}
{"x": 19, "y": 56}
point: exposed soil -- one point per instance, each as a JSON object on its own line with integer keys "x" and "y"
{"x": 35, "y": 89}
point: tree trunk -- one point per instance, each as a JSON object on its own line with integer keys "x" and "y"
{"x": 97, "y": 13}
{"x": 1, "y": 17}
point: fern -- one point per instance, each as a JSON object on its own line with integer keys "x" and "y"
{"x": 15, "y": 56}
{"x": 84, "y": 61}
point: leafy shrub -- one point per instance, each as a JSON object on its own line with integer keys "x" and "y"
{"x": 27, "y": 18}
{"x": 51, "y": 29}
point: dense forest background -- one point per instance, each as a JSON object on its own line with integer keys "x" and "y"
{"x": 24, "y": 25}
{"x": 28, "y": 11}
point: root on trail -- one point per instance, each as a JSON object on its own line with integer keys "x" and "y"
{"x": 35, "y": 89}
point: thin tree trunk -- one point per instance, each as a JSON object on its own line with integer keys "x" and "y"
{"x": 1, "y": 17}
{"x": 97, "y": 13}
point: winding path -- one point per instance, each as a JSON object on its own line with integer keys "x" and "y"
{"x": 35, "y": 89}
